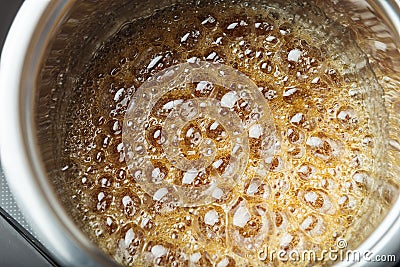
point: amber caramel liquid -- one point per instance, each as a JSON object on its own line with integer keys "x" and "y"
{"x": 318, "y": 178}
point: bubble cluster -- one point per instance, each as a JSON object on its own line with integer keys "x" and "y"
{"x": 200, "y": 137}
{"x": 208, "y": 169}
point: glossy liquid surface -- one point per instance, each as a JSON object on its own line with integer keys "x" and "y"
{"x": 316, "y": 166}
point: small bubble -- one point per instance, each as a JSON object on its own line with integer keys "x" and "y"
{"x": 306, "y": 171}
{"x": 291, "y": 94}
{"x": 295, "y": 136}
{"x": 347, "y": 117}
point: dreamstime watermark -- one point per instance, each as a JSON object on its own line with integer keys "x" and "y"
{"x": 337, "y": 253}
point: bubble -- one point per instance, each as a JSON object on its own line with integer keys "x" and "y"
{"x": 105, "y": 181}
{"x": 99, "y": 121}
{"x": 267, "y": 66}
{"x": 180, "y": 124}
{"x": 237, "y": 28}
{"x": 264, "y": 27}
{"x": 258, "y": 188}
{"x": 347, "y": 117}
{"x": 192, "y": 135}
{"x": 296, "y": 152}
{"x": 209, "y": 21}
{"x": 297, "y": 119}
{"x": 306, "y": 171}
{"x": 368, "y": 141}
{"x": 295, "y": 136}
{"x": 276, "y": 163}
{"x": 203, "y": 88}
{"x": 324, "y": 147}
{"x": 110, "y": 224}
{"x": 313, "y": 225}
{"x": 210, "y": 224}
{"x": 281, "y": 220}
{"x": 227, "y": 261}
{"x": 115, "y": 127}
{"x": 160, "y": 194}
{"x": 130, "y": 243}
{"x": 155, "y": 136}
{"x": 127, "y": 202}
{"x": 318, "y": 200}
{"x": 293, "y": 55}
{"x": 291, "y": 94}
{"x": 248, "y": 227}
{"x": 362, "y": 179}
{"x": 189, "y": 38}
{"x": 299, "y": 192}
{"x": 292, "y": 241}
{"x": 103, "y": 199}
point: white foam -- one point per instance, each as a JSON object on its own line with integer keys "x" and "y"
{"x": 253, "y": 188}
{"x": 297, "y": 118}
{"x": 129, "y": 236}
{"x": 211, "y": 217}
{"x": 160, "y": 193}
{"x": 241, "y": 216}
{"x": 195, "y": 257}
{"x": 189, "y": 176}
{"x": 285, "y": 240}
{"x": 290, "y": 91}
{"x": 311, "y": 197}
{"x": 158, "y": 251}
{"x": 214, "y": 126}
{"x": 223, "y": 263}
{"x": 294, "y": 55}
{"x": 255, "y": 131}
{"x": 217, "y": 163}
{"x": 314, "y": 141}
{"x": 126, "y": 200}
{"x": 229, "y": 99}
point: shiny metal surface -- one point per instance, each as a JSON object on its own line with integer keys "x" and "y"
{"x": 27, "y": 148}
{"x": 36, "y": 198}
{"x": 7, "y": 202}
{"x": 389, "y": 11}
